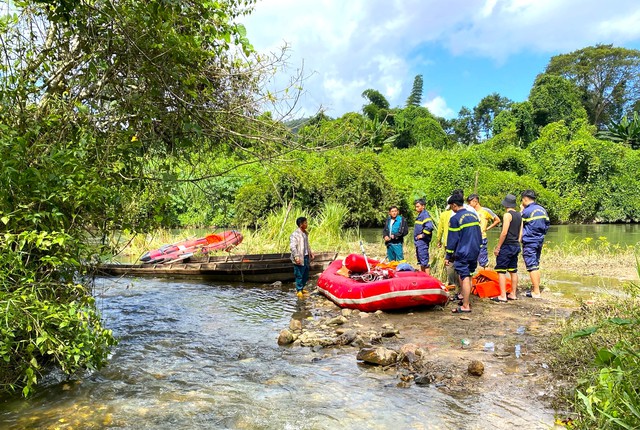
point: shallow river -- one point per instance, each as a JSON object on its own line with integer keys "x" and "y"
{"x": 196, "y": 355}
{"x": 203, "y": 355}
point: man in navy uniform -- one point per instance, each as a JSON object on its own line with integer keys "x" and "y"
{"x": 535, "y": 224}
{"x": 422, "y": 229}
{"x": 463, "y": 246}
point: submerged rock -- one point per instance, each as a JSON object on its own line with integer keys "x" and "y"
{"x": 424, "y": 379}
{"x": 285, "y": 337}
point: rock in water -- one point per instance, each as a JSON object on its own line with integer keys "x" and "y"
{"x": 295, "y": 325}
{"x": 380, "y": 356}
{"x": 285, "y": 337}
{"x": 476, "y": 368}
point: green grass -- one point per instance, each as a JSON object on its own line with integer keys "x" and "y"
{"x": 597, "y": 351}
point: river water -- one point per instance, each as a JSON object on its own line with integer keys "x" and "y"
{"x": 621, "y": 234}
{"x": 197, "y": 355}
{"x": 204, "y": 355}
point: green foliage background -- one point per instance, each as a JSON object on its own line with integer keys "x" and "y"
{"x": 578, "y": 177}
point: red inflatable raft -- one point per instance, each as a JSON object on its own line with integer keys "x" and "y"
{"x": 181, "y": 250}
{"x": 397, "y": 291}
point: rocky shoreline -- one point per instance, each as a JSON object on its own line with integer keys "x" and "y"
{"x": 478, "y": 352}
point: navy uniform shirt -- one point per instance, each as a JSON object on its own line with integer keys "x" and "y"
{"x": 535, "y": 223}
{"x": 423, "y": 225}
{"x": 464, "y": 238}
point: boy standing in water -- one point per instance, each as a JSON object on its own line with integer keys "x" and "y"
{"x": 508, "y": 249}
{"x": 301, "y": 254}
{"x": 535, "y": 224}
{"x": 422, "y": 229}
{"x": 463, "y": 246}
{"x": 394, "y": 231}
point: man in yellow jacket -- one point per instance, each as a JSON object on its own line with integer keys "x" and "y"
{"x": 441, "y": 239}
{"x": 486, "y": 216}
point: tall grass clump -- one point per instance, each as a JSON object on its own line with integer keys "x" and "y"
{"x": 598, "y": 351}
{"x": 326, "y": 230}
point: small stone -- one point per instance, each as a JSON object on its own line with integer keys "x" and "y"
{"x": 339, "y": 320}
{"x": 285, "y": 337}
{"x": 346, "y": 312}
{"x": 358, "y": 342}
{"x": 346, "y": 338}
{"x": 465, "y": 318}
{"x": 476, "y": 368}
{"x": 364, "y": 315}
{"x": 295, "y": 325}
{"x": 424, "y": 379}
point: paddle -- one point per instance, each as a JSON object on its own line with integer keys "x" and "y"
{"x": 366, "y": 260}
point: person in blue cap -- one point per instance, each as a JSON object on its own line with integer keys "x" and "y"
{"x": 463, "y": 246}
{"x": 422, "y": 229}
{"x": 535, "y": 224}
{"x": 394, "y": 231}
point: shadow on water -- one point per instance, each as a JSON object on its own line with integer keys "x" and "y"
{"x": 194, "y": 355}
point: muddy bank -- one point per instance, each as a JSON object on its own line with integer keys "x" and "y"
{"x": 495, "y": 352}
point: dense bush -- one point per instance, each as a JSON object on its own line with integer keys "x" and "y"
{"x": 351, "y": 178}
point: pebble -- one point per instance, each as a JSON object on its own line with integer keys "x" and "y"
{"x": 476, "y": 368}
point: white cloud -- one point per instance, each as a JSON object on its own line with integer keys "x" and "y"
{"x": 438, "y": 106}
{"x": 350, "y": 46}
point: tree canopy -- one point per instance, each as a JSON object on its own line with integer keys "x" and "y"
{"x": 105, "y": 108}
{"x": 608, "y": 76}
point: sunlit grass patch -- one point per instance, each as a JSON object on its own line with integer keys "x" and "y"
{"x": 597, "y": 351}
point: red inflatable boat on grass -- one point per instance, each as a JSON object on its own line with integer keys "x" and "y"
{"x": 182, "y": 250}
{"x": 380, "y": 288}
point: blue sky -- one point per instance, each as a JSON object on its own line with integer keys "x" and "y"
{"x": 465, "y": 49}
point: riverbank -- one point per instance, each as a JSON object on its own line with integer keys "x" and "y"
{"x": 437, "y": 349}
